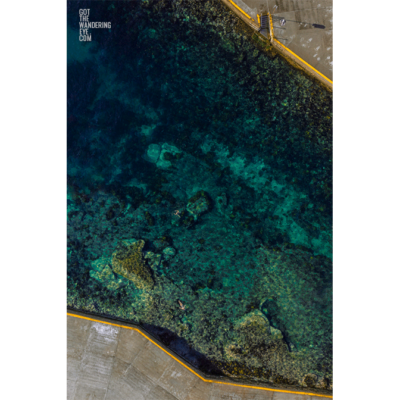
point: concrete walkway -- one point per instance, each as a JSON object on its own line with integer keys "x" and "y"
{"x": 113, "y": 362}
{"x": 307, "y": 31}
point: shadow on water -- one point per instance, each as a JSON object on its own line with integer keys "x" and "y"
{"x": 171, "y": 340}
{"x": 181, "y": 346}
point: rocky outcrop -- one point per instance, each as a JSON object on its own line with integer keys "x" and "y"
{"x": 258, "y": 327}
{"x": 199, "y": 204}
{"x": 168, "y": 154}
{"x": 153, "y": 152}
{"x": 169, "y": 253}
{"x": 101, "y": 271}
{"x": 254, "y": 336}
{"x": 128, "y": 262}
{"x": 153, "y": 259}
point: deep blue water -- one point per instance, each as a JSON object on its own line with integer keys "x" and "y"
{"x": 184, "y": 132}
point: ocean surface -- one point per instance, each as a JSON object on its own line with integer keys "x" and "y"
{"x": 200, "y": 189}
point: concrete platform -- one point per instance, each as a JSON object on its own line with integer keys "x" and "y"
{"x": 312, "y": 44}
{"x": 112, "y": 362}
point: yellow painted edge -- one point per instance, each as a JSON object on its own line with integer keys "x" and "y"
{"x": 271, "y": 25}
{"x": 247, "y": 15}
{"x": 306, "y": 63}
{"x": 291, "y": 52}
{"x": 199, "y": 376}
{"x": 258, "y": 19}
{"x": 138, "y": 330}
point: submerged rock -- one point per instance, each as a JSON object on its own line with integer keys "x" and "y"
{"x": 255, "y": 321}
{"x": 310, "y": 380}
{"x": 128, "y": 242}
{"x": 168, "y": 154}
{"x": 153, "y": 152}
{"x": 258, "y": 325}
{"x": 153, "y": 259}
{"x": 199, "y": 204}
{"x": 169, "y": 253}
{"x": 254, "y": 336}
{"x": 128, "y": 262}
{"x": 102, "y": 272}
{"x": 276, "y": 334}
{"x": 147, "y": 130}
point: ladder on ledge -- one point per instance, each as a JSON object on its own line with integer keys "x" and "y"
{"x": 264, "y": 24}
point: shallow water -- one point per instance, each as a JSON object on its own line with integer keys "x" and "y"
{"x": 184, "y": 133}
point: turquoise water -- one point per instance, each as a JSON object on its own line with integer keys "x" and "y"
{"x": 200, "y": 189}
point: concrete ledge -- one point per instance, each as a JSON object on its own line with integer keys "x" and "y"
{"x": 301, "y": 64}
{"x": 109, "y": 359}
{"x": 248, "y": 21}
{"x": 288, "y": 54}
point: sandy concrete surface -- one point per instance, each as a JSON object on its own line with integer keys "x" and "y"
{"x": 110, "y": 363}
{"x": 313, "y": 44}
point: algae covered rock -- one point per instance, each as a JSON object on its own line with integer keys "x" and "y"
{"x": 298, "y": 289}
{"x": 153, "y": 259}
{"x": 254, "y": 322}
{"x": 199, "y": 204}
{"x": 257, "y": 324}
{"x": 276, "y": 334}
{"x": 128, "y": 242}
{"x": 169, "y": 253}
{"x": 310, "y": 380}
{"x": 253, "y": 341}
{"x": 128, "y": 262}
{"x": 102, "y": 272}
